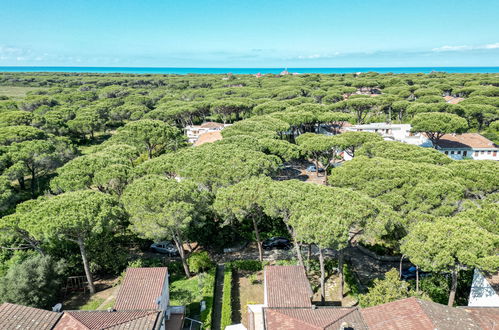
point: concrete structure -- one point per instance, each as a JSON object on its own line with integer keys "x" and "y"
{"x": 484, "y": 290}
{"x": 393, "y": 132}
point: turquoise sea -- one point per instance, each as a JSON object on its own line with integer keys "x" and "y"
{"x": 182, "y": 71}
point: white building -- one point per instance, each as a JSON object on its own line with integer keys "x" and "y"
{"x": 484, "y": 290}
{"x": 394, "y": 132}
{"x": 193, "y": 132}
{"x": 468, "y": 145}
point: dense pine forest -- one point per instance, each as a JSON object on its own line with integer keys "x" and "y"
{"x": 96, "y": 167}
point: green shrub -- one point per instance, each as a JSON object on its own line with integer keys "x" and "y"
{"x": 199, "y": 261}
{"x": 350, "y": 280}
{"x": 34, "y": 282}
{"x": 227, "y": 298}
{"x": 208, "y": 293}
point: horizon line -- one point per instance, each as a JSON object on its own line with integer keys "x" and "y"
{"x": 244, "y": 67}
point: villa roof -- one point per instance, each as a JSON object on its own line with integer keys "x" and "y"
{"x": 486, "y": 317}
{"x": 99, "y": 320}
{"x": 22, "y": 317}
{"x": 412, "y": 313}
{"x": 452, "y": 99}
{"x": 287, "y": 286}
{"x": 313, "y": 319}
{"x": 212, "y": 125}
{"x": 208, "y": 137}
{"x": 466, "y": 140}
{"x": 141, "y": 288}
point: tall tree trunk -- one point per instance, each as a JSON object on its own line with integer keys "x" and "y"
{"x": 33, "y": 183}
{"x": 417, "y": 279}
{"x": 298, "y": 251}
{"x": 22, "y": 184}
{"x": 296, "y": 244}
{"x": 323, "y": 275}
{"x": 309, "y": 256}
{"x": 149, "y": 152}
{"x": 86, "y": 266}
{"x": 258, "y": 242}
{"x": 340, "y": 273}
{"x": 453, "y": 287}
{"x": 400, "y": 266}
{"x": 181, "y": 252}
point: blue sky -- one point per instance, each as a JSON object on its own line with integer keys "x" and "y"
{"x": 252, "y": 33}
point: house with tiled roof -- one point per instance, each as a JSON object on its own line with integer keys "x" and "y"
{"x": 471, "y": 145}
{"x": 142, "y": 303}
{"x": 14, "y": 316}
{"x": 288, "y": 306}
{"x": 194, "y": 132}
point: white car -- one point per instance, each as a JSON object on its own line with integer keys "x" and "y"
{"x": 165, "y": 247}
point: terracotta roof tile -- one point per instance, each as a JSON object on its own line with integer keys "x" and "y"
{"x": 287, "y": 286}
{"x": 22, "y": 317}
{"x": 466, "y": 140}
{"x": 312, "y": 319}
{"x": 412, "y": 313}
{"x": 99, "y": 320}
{"x": 141, "y": 288}
{"x": 486, "y": 317}
{"x": 208, "y": 137}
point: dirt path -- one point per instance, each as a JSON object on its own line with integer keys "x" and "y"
{"x": 217, "y": 299}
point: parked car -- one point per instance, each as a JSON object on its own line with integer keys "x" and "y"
{"x": 276, "y": 243}
{"x": 312, "y": 168}
{"x": 410, "y": 273}
{"x": 165, "y": 247}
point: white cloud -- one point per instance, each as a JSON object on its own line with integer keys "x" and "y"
{"x": 492, "y": 46}
{"x": 465, "y": 47}
{"x": 450, "y": 48}
{"x": 317, "y": 56}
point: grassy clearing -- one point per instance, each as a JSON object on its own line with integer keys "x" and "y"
{"x": 92, "y": 304}
{"x": 16, "y": 92}
{"x": 249, "y": 288}
{"x": 190, "y": 292}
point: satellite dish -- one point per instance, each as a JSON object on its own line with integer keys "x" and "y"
{"x": 57, "y": 308}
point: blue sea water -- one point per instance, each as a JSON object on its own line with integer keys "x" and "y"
{"x": 183, "y": 71}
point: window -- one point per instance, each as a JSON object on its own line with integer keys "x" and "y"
{"x": 452, "y": 152}
{"x": 476, "y": 153}
{"x": 465, "y": 153}
{"x": 489, "y": 152}
{"x": 446, "y": 152}
{"x": 458, "y": 152}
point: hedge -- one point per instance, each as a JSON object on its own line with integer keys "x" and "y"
{"x": 227, "y": 298}
{"x": 208, "y": 293}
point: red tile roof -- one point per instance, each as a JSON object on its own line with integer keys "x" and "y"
{"x": 23, "y": 317}
{"x": 99, "y": 320}
{"x": 141, "y": 288}
{"x": 313, "y": 319}
{"x": 466, "y": 140}
{"x": 412, "y": 313}
{"x": 486, "y": 317}
{"x": 287, "y": 286}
